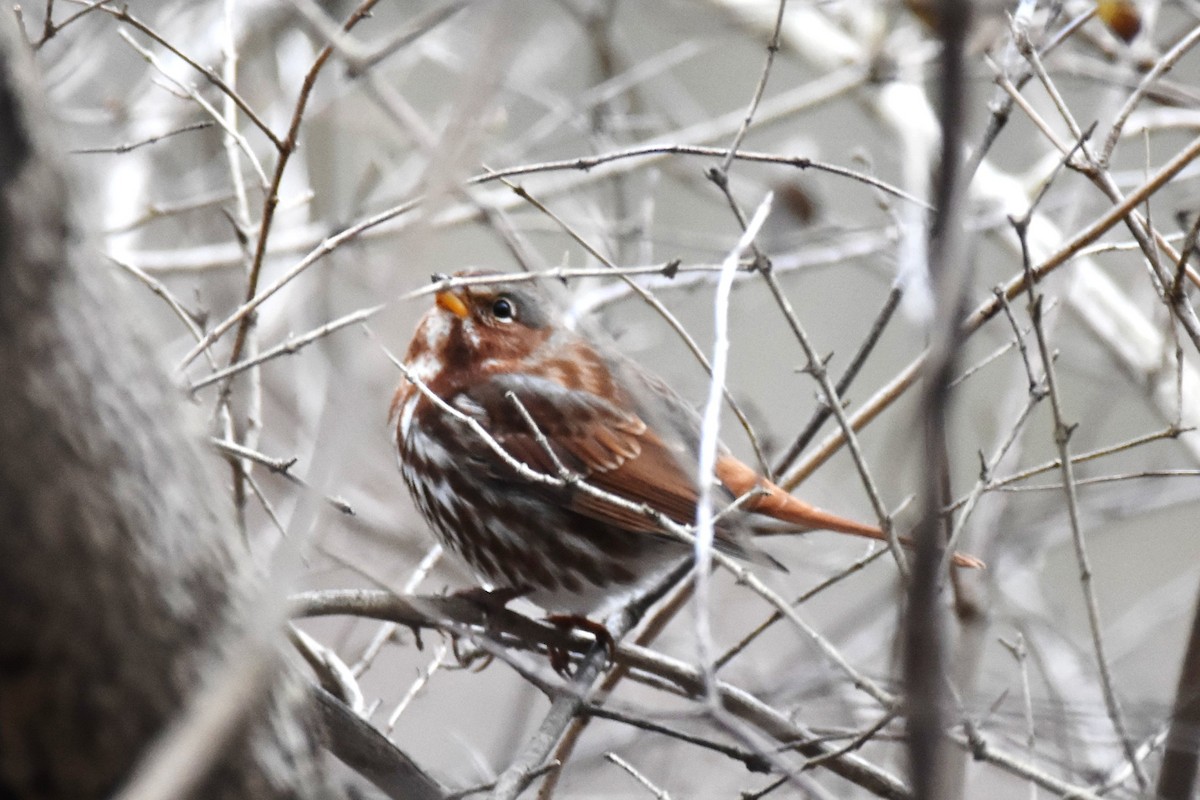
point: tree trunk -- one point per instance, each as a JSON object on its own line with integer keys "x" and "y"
{"x": 123, "y": 583}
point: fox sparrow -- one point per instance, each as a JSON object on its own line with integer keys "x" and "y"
{"x": 504, "y": 356}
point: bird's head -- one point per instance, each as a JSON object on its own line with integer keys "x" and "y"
{"x": 481, "y": 325}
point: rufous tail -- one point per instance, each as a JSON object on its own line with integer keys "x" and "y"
{"x": 776, "y": 503}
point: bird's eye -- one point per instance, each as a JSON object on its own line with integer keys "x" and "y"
{"x": 504, "y": 310}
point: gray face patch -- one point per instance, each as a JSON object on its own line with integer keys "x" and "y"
{"x": 530, "y": 307}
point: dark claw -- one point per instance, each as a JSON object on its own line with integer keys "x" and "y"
{"x": 560, "y": 660}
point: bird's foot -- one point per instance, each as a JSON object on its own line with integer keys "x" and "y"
{"x": 560, "y": 658}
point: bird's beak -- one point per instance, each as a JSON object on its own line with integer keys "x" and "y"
{"x": 452, "y": 303}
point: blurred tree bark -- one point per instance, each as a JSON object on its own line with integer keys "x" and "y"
{"x": 1177, "y": 778}
{"x": 123, "y": 583}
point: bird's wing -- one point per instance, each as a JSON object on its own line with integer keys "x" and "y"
{"x": 611, "y": 447}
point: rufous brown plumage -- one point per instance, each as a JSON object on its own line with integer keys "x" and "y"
{"x": 501, "y": 354}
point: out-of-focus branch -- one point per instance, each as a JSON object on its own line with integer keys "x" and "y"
{"x": 1177, "y": 777}
{"x": 135, "y": 660}
{"x": 358, "y": 745}
{"x": 925, "y": 654}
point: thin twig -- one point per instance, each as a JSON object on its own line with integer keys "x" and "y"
{"x": 1160, "y": 68}
{"x": 279, "y": 466}
{"x": 122, "y": 14}
{"x": 131, "y": 146}
{"x": 822, "y": 414}
{"x": 772, "y": 49}
{"x": 775, "y": 616}
{"x": 710, "y": 447}
{"x": 982, "y": 750}
{"x": 895, "y": 388}
{"x": 291, "y": 345}
{"x": 1062, "y": 436}
{"x": 191, "y": 92}
{"x": 585, "y": 164}
{"x": 751, "y": 760}
{"x": 658, "y": 793}
{"x": 816, "y": 368}
{"x": 1082, "y": 458}
{"x": 286, "y": 148}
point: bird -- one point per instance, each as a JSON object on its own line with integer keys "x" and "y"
{"x": 499, "y": 356}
